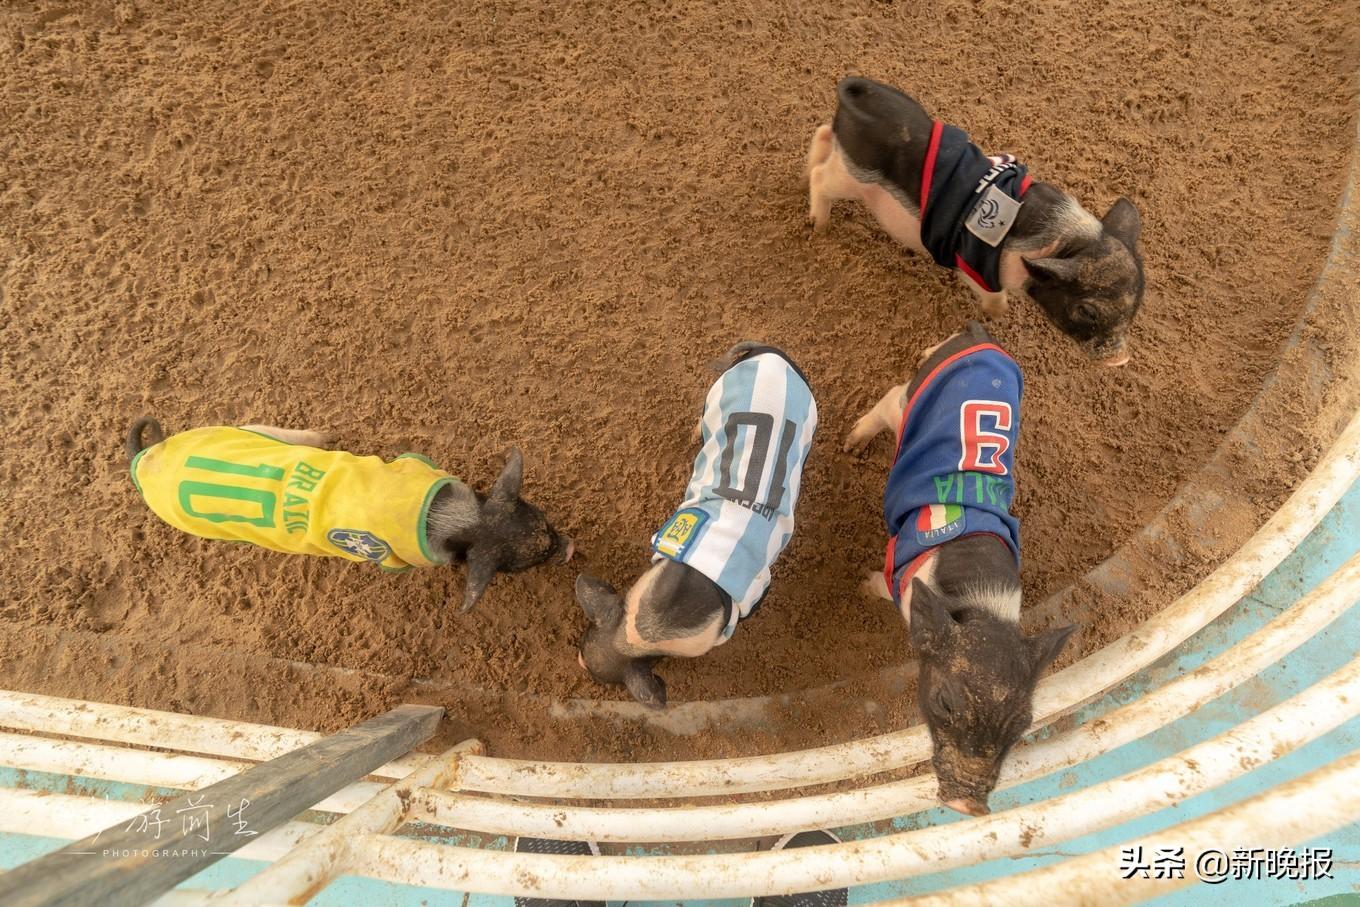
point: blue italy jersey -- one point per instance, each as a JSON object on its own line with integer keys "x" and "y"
{"x": 954, "y": 474}
{"x": 758, "y": 422}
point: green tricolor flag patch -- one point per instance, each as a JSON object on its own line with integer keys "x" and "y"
{"x": 936, "y": 523}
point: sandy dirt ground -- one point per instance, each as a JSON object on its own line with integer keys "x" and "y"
{"x": 453, "y": 228}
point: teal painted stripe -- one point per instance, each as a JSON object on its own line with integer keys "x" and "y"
{"x": 346, "y": 891}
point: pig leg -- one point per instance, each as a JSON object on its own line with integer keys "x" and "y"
{"x": 887, "y": 412}
{"x": 875, "y": 586}
{"x": 994, "y": 305}
{"x": 885, "y": 416}
{"x": 821, "y": 147}
{"x": 828, "y": 180}
{"x": 293, "y": 435}
{"x": 819, "y": 202}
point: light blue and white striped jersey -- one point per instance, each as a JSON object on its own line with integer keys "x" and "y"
{"x": 759, "y": 419}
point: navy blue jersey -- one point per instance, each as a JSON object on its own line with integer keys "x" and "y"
{"x": 954, "y": 473}
{"x": 969, "y": 202}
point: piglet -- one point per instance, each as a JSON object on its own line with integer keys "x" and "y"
{"x": 953, "y": 558}
{"x": 935, "y": 192}
{"x": 284, "y": 489}
{"x": 711, "y": 560}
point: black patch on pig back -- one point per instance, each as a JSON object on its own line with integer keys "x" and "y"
{"x": 680, "y": 602}
{"x": 884, "y": 131}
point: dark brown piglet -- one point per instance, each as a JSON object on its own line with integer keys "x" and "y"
{"x": 935, "y": 192}
{"x": 711, "y": 560}
{"x": 266, "y": 482}
{"x": 953, "y": 559}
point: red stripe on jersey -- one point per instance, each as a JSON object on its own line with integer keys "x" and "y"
{"x": 911, "y": 570}
{"x": 906, "y": 410}
{"x": 888, "y": 562}
{"x": 972, "y": 275}
{"x": 928, "y": 174}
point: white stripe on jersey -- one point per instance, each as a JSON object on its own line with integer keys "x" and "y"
{"x": 732, "y": 543}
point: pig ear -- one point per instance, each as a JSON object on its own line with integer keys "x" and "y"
{"x": 1052, "y": 270}
{"x": 481, "y": 568}
{"x": 931, "y": 623}
{"x": 645, "y": 686}
{"x": 1045, "y": 647}
{"x": 599, "y": 600}
{"x": 1122, "y": 222}
{"x": 506, "y": 489}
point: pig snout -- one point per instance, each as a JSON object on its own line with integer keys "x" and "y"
{"x": 968, "y": 807}
{"x": 966, "y": 781}
{"x": 1110, "y": 353}
{"x": 1113, "y": 360}
{"x": 968, "y": 797}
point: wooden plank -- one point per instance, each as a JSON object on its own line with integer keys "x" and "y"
{"x": 132, "y": 863}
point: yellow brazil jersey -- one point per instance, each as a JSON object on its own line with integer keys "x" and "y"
{"x": 237, "y": 485}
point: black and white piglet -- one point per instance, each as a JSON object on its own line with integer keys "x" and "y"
{"x": 711, "y": 560}
{"x": 284, "y": 489}
{"x": 935, "y": 192}
{"x": 953, "y": 558}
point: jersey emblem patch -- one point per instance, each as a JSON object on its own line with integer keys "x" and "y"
{"x": 992, "y": 217}
{"x": 360, "y": 543}
{"x": 937, "y": 523}
{"x": 674, "y": 538}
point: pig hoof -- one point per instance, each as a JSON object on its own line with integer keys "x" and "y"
{"x": 856, "y": 444}
{"x": 996, "y": 306}
{"x": 875, "y": 586}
